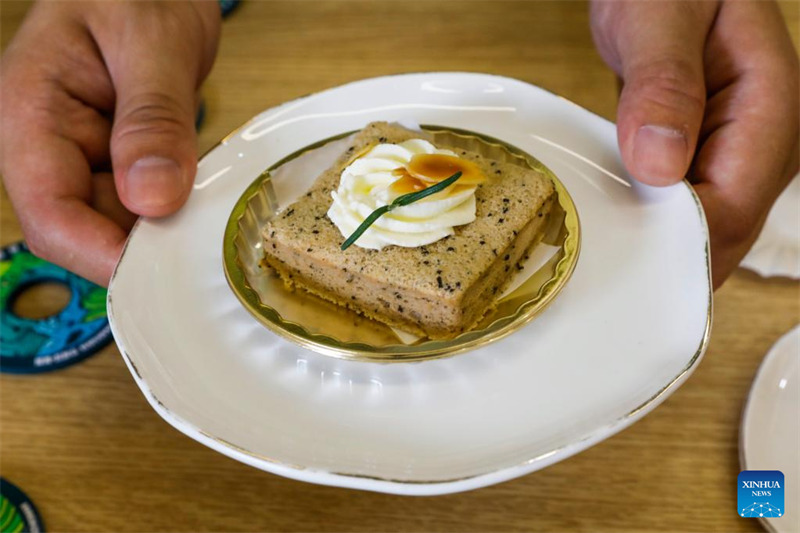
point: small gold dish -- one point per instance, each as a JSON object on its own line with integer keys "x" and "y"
{"x": 335, "y": 331}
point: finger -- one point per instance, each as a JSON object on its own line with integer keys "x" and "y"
{"x": 740, "y": 170}
{"x": 153, "y": 138}
{"x": 660, "y": 47}
{"x": 750, "y": 148}
{"x": 54, "y": 77}
{"x": 733, "y": 226}
{"x": 51, "y": 188}
{"x": 49, "y": 137}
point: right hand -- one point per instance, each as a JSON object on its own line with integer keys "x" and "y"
{"x": 710, "y": 91}
{"x": 98, "y": 101}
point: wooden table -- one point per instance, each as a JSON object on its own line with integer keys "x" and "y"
{"x": 94, "y": 456}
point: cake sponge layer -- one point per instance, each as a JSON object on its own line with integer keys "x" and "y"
{"x": 438, "y": 290}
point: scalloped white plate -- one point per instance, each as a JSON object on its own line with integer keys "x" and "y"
{"x": 769, "y": 437}
{"x": 628, "y": 329}
{"x": 776, "y": 252}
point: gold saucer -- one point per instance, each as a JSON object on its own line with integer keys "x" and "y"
{"x": 335, "y": 331}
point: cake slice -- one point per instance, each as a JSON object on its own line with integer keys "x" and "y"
{"x": 438, "y": 290}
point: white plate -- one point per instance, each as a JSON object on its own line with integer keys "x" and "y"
{"x": 776, "y": 252}
{"x": 628, "y": 329}
{"x": 769, "y": 433}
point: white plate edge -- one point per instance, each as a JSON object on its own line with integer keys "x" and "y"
{"x": 407, "y": 488}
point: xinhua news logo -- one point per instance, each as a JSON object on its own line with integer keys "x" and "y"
{"x": 761, "y": 494}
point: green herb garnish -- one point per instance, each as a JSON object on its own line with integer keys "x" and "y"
{"x": 400, "y": 201}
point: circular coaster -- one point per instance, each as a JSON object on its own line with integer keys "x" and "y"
{"x": 17, "y": 512}
{"x": 29, "y": 345}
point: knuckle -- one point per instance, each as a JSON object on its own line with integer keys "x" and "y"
{"x": 670, "y": 83}
{"x": 159, "y": 20}
{"x": 29, "y": 102}
{"x": 151, "y": 113}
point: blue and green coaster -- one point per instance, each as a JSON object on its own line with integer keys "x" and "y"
{"x": 30, "y": 345}
{"x": 17, "y": 512}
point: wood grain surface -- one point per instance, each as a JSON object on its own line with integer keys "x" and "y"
{"x": 85, "y": 445}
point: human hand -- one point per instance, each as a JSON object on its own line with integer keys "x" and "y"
{"x": 87, "y": 87}
{"x": 711, "y": 93}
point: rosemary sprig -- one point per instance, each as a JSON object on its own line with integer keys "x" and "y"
{"x": 400, "y": 201}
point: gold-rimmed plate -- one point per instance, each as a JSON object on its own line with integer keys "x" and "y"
{"x": 332, "y": 330}
{"x": 629, "y": 328}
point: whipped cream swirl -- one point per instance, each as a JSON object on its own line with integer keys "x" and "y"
{"x": 365, "y": 186}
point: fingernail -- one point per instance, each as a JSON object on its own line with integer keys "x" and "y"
{"x": 660, "y": 154}
{"x": 154, "y": 181}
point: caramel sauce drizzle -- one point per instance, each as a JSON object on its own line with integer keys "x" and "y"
{"x": 426, "y": 169}
{"x": 406, "y": 183}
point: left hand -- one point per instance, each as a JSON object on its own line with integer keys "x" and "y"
{"x": 91, "y": 87}
{"x": 710, "y": 93}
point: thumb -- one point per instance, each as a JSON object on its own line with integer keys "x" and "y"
{"x": 153, "y": 140}
{"x": 660, "y": 50}
{"x": 153, "y": 147}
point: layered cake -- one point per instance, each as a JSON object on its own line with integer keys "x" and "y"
{"x": 433, "y": 267}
